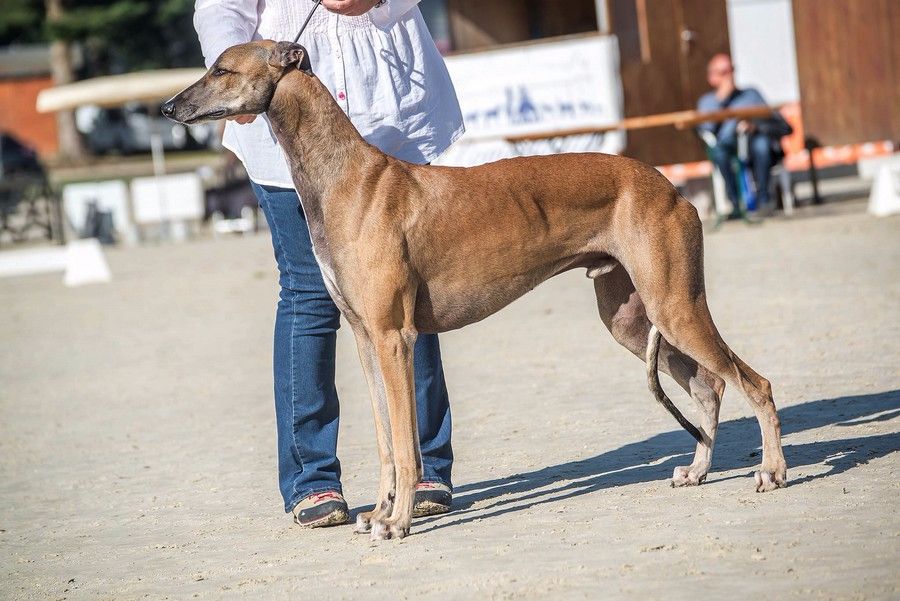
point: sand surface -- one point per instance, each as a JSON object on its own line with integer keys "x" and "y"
{"x": 137, "y": 438}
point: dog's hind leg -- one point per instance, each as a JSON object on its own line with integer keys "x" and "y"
{"x": 689, "y": 327}
{"x": 668, "y": 275}
{"x": 623, "y": 312}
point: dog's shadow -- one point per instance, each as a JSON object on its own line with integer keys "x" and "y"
{"x": 655, "y": 458}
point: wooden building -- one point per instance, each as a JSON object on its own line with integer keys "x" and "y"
{"x": 845, "y": 53}
{"x": 24, "y": 72}
{"x": 848, "y": 60}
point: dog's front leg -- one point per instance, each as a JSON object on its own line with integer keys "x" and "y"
{"x": 394, "y": 352}
{"x": 384, "y": 503}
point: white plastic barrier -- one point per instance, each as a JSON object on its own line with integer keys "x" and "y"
{"x": 870, "y": 167}
{"x": 110, "y": 196}
{"x": 173, "y": 201}
{"x": 82, "y": 262}
{"x": 884, "y": 199}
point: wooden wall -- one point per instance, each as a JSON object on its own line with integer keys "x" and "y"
{"x": 19, "y": 117}
{"x": 477, "y": 24}
{"x": 664, "y": 46}
{"x": 848, "y": 61}
{"x": 552, "y": 17}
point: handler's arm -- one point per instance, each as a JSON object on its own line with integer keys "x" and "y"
{"x": 221, "y": 24}
{"x": 385, "y": 16}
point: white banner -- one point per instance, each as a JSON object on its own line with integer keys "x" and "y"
{"x": 537, "y": 88}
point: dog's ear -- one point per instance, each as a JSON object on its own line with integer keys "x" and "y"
{"x": 288, "y": 54}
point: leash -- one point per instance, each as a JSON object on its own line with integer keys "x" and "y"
{"x": 308, "y": 17}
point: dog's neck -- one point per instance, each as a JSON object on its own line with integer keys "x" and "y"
{"x": 321, "y": 144}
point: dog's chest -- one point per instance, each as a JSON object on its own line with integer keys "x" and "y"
{"x": 324, "y": 261}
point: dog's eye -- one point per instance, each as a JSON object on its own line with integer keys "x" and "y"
{"x": 219, "y": 72}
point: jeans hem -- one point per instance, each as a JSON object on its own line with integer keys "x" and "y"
{"x": 289, "y": 507}
{"x": 438, "y": 481}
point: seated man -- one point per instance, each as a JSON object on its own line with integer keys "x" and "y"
{"x": 764, "y": 134}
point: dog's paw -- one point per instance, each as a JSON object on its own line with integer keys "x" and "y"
{"x": 387, "y": 529}
{"x": 688, "y": 476}
{"x": 363, "y": 523}
{"x": 768, "y": 480}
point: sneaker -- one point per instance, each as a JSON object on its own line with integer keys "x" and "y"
{"x": 432, "y": 498}
{"x": 322, "y": 509}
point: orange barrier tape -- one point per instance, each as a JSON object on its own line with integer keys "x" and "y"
{"x": 796, "y": 156}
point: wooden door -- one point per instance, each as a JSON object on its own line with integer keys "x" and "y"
{"x": 848, "y": 62}
{"x": 664, "y": 46}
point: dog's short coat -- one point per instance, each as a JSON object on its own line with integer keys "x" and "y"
{"x": 408, "y": 248}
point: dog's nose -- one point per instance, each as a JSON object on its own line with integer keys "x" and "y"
{"x": 168, "y": 109}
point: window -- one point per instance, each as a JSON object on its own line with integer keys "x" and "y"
{"x": 460, "y": 25}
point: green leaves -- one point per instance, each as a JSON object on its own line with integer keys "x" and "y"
{"x": 20, "y": 22}
{"x": 82, "y": 21}
{"x": 117, "y": 36}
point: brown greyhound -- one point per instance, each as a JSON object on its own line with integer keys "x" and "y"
{"x": 409, "y": 248}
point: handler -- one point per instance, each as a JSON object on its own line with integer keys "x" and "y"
{"x": 379, "y": 62}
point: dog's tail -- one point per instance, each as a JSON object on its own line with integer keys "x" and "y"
{"x": 653, "y": 340}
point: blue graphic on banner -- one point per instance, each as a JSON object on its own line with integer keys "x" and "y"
{"x": 519, "y": 108}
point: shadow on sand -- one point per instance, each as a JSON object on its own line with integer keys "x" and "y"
{"x": 655, "y": 458}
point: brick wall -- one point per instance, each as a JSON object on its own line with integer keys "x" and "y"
{"x": 19, "y": 117}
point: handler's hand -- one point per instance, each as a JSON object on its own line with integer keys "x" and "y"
{"x": 349, "y": 8}
{"x": 241, "y": 119}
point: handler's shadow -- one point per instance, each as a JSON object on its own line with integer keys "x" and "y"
{"x": 655, "y": 458}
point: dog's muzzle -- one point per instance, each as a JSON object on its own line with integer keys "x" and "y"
{"x": 168, "y": 109}
{"x": 188, "y": 114}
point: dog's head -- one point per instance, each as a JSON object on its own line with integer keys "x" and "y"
{"x": 242, "y": 81}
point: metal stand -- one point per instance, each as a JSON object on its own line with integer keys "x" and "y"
{"x": 811, "y": 144}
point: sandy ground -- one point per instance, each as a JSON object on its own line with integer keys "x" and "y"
{"x": 137, "y": 439}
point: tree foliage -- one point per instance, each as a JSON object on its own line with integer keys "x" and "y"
{"x": 114, "y": 35}
{"x": 21, "y": 22}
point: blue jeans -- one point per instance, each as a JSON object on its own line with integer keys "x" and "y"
{"x": 760, "y": 160}
{"x": 306, "y": 400}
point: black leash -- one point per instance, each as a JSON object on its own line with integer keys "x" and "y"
{"x": 308, "y": 17}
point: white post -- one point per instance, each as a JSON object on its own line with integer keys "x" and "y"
{"x": 602, "y": 16}
{"x": 159, "y": 170}
{"x": 159, "y": 158}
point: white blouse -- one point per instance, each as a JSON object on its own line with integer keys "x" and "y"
{"x": 382, "y": 67}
